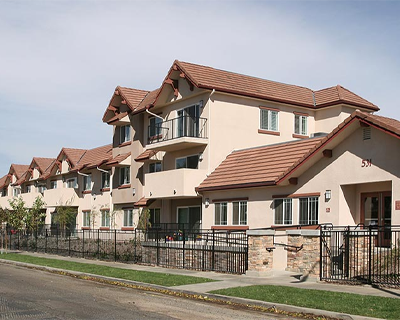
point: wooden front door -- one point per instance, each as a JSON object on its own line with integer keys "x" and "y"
{"x": 376, "y": 211}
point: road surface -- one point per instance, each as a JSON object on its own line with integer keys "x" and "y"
{"x": 33, "y": 294}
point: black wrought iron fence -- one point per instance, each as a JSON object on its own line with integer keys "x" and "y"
{"x": 222, "y": 251}
{"x": 361, "y": 254}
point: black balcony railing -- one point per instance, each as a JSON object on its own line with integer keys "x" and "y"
{"x": 184, "y": 126}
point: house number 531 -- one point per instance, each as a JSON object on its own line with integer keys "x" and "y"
{"x": 366, "y": 163}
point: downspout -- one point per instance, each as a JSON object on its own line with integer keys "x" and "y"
{"x": 209, "y": 131}
{"x": 154, "y": 115}
{"x": 111, "y": 181}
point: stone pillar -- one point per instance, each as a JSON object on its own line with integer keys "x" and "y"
{"x": 260, "y": 254}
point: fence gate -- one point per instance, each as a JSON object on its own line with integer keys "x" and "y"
{"x": 361, "y": 255}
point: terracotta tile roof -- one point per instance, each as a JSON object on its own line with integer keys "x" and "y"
{"x": 133, "y": 97}
{"x": 42, "y": 163}
{"x": 146, "y": 155}
{"x": 118, "y": 159}
{"x": 143, "y": 202}
{"x": 3, "y": 181}
{"x": 19, "y": 170}
{"x": 94, "y": 157}
{"x": 117, "y": 117}
{"x": 73, "y": 155}
{"x": 230, "y": 82}
{"x": 256, "y": 166}
{"x": 22, "y": 179}
{"x": 147, "y": 101}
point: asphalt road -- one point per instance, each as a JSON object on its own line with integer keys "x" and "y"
{"x": 32, "y": 294}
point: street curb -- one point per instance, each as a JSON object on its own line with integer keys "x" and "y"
{"x": 270, "y": 307}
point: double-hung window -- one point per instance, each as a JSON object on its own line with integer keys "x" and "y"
{"x": 300, "y": 124}
{"x": 53, "y": 184}
{"x": 308, "y": 210}
{"x": 124, "y": 175}
{"x": 86, "y": 218}
{"x": 41, "y": 188}
{"x": 155, "y": 167}
{"x": 28, "y": 188}
{"x": 155, "y": 215}
{"x": 72, "y": 183}
{"x": 105, "y": 218}
{"x": 128, "y": 218}
{"x": 105, "y": 180}
{"x": 239, "y": 213}
{"x": 221, "y": 213}
{"x": 191, "y": 162}
{"x": 154, "y": 127}
{"x": 283, "y": 211}
{"x": 269, "y": 119}
{"x": 124, "y": 133}
{"x": 87, "y": 182}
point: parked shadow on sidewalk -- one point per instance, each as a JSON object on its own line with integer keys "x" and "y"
{"x": 387, "y": 290}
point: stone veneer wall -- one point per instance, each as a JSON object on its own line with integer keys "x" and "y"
{"x": 260, "y": 259}
{"x": 304, "y": 260}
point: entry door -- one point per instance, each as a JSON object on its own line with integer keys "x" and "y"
{"x": 377, "y": 212}
{"x": 190, "y": 218}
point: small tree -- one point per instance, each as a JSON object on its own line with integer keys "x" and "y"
{"x": 144, "y": 219}
{"x": 35, "y": 215}
{"x": 17, "y": 216}
{"x": 94, "y": 213}
{"x": 64, "y": 215}
{"x": 3, "y": 229}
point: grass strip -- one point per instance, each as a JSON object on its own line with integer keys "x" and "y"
{"x": 356, "y": 304}
{"x": 162, "y": 279}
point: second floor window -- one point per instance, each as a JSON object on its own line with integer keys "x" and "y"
{"x": 16, "y": 192}
{"x": 221, "y": 213}
{"x": 155, "y": 127}
{"x": 3, "y": 192}
{"x": 29, "y": 189}
{"x": 268, "y": 119}
{"x": 239, "y": 213}
{"x": 300, "y": 124}
{"x": 53, "y": 184}
{"x": 124, "y": 175}
{"x": 41, "y": 188}
{"x": 105, "y": 180}
{"x": 154, "y": 167}
{"x": 124, "y": 134}
{"x": 283, "y": 211}
{"x": 87, "y": 182}
{"x": 191, "y": 162}
{"x": 72, "y": 183}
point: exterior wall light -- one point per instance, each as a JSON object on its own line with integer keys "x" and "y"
{"x": 133, "y": 191}
{"x": 207, "y": 202}
{"x": 328, "y": 195}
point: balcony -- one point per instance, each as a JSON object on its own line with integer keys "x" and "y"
{"x": 179, "y": 183}
{"x": 4, "y": 202}
{"x": 29, "y": 198}
{"x": 179, "y": 133}
{"x": 61, "y": 196}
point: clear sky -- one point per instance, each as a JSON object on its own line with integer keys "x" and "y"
{"x": 61, "y": 60}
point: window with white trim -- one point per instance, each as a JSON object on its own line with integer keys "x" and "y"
{"x": 155, "y": 216}
{"x": 16, "y": 192}
{"x": 29, "y": 188}
{"x": 155, "y": 167}
{"x": 72, "y": 183}
{"x": 86, "y": 218}
{"x": 221, "y": 214}
{"x": 41, "y": 188}
{"x": 155, "y": 124}
{"x": 283, "y": 211}
{"x": 128, "y": 217}
{"x": 105, "y": 218}
{"x": 269, "y": 119}
{"x": 53, "y": 184}
{"x": 124, "y": 133}
{"x": 105, "y": 179}
{"x": 87, "y": 182}
{"x": 239, "y": 216}
{"x": 300, "y": 124}
{"x": 190, "y": 162}
{"x": 124, "y": 175}
{"x": 308, "y": 210}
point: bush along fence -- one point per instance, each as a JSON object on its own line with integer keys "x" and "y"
{"x": 207, "y": 250}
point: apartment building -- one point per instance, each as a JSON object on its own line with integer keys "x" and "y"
{"x": 171, "y": 145}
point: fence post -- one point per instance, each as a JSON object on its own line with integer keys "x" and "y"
{"x": 183, "y": 249}
{"x": 69, "y": 244}
{"x": 370, "y": 255}
{"x": 45, "y": 242}
{"x": 320, "y": 253}
{"x": 83, "y": 243}
{"x": 158, "y": 249}
{"x": 135, "y": 253}
{"x": 57, "y": 232}
{"x": 213, "y": 252}
{"x": 115, "y": 245}
{"x": 98, "y": 244}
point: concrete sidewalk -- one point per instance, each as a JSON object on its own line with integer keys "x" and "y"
{"x": 229, "y": 281}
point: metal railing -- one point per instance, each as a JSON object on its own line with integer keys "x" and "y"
{"x": 184, "y": 126}
{"x": 361, "y": 254}
{"x": 211, "y": 250}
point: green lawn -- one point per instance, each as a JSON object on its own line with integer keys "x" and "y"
{"x": 370, "y": 306}
{"x": 162, "y": 279}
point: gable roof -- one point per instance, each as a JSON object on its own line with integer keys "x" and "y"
{"x": 145, "y": 155}
{"x": 18, "y": 169}
{"x": 118, "y": 159}
{"x": 94, "y": 157}
{"x": 72, "y": 155}
{"x": 3, "y": 181}
{"x": 271, "y": 165}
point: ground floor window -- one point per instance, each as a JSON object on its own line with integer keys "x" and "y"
{"x": 189, "y": 218}
{"x": 308, "y": 210}
{"x": 283, "y": 211}
{"x": 86, "y": 219}
{"x": 128, "y": 218}
{"x": 239, "y": 213}
{"x": 221, "y": 213}
{"x": 105, "y": 218}
{"x": 154, "y": 219}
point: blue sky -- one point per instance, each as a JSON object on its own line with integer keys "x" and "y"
{"x": 61, "y": 60}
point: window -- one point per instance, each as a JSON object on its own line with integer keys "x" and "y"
{"x": 128, "y": 218}
{"x": 105, "y": 180}
{"x": 124, "y": 134}
{"x": 221, "y": 213}
{"x": 105, "y": 218}
{"x": 87, "y": 182}
{"x": 72, "y": 183}
{"x": 155, "y": 127}
{"x": 308, "y": 210}
{"x": 283, "y": 211}
{"x": 53, "y": 184}
{"x": 4, "y": 192}
{"x": 28, "y": 188}
{"x": 41, "y": 188}
{"x": 191, "y": 162}
{"x": 155, "y": 215}
{"x": 269, "y": 119}
{"x": 16, "y": 192}
{"x": 300, "y": 124}
{"x": 124, "y": 175}
{"x": 86, "y": 219}
{"x": 239, "y": 213}
{"x": 188, "y": 121}
{"x": 155, "y": 167}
